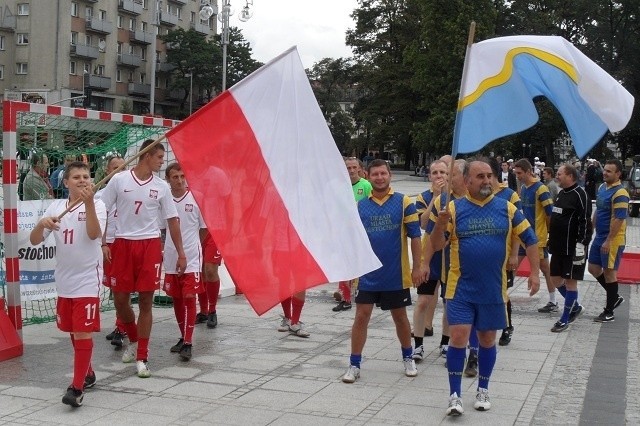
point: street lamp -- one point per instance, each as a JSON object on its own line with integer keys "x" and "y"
{"x": 524, "y": 145}
{"x": 190, "y": 75}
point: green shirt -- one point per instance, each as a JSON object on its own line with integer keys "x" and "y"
{"x": 361, "y": 189}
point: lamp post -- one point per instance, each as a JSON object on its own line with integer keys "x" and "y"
{"x": 190, "y": 75}
{"x": 524, "y": 145}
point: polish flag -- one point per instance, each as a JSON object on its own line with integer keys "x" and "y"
{"x": 272, "y": 186}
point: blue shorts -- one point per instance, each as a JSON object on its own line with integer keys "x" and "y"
{"x": 486, "y": 317}
{"x": 609, "y": 260}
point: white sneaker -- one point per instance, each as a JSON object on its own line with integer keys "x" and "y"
{"x": 410, "y": 369}
{"x": 143, "y": 369}
{"x": 284, "y": 324}
{"x": 129, "y": 354}
{"x": 455, "y": 405}
{"x": 352, "y": 374}
{"x": 296, "y": 330}
{"x": 482, "y": 400}
{"x": 418, "y": 353}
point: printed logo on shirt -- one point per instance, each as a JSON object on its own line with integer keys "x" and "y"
{"x": 557, "y": 210}
{"x": 82, "y": 217}
{"x": 188, "y": 208}
{"x": 153, "y": 194}
{"x": 360, "y": 191}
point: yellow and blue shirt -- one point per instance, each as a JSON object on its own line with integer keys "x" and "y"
{"x": 612, "y": 202}
{"x": 480, "y": 239}
{"x": 445, "y": 252}
{"x": 509, "y": 195}
{"x": 435, "y": 266}
{"x": 388, "y": 223}
{"x": 537, "y": 206}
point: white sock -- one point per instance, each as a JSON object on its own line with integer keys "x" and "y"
{"x": 552, "y": 297}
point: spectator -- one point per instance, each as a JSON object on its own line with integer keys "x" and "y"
{"x": 36, "y": 184}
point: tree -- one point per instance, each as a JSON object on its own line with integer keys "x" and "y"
{"x": 239, "y": 61}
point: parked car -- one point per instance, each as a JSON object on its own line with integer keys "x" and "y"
{"x": 632, "y": 183}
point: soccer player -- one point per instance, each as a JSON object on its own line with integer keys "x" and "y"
{"x": 481, "y": 229}
{"x": 183, "y": 287}
{"x": 569, "y": 234}
{"x": 140, "y": 198}
{"x": 78, "y": 272}
{"x": 208, "y": 299}
{"x": 610, "y": 223}
{"x": 536, "y": 206}
{"x": 361, "y": 189}
{"x": 118, "y": 334}
{"x": 388, "y": 218}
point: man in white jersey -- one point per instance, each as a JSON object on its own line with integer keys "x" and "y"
{"x": 140, "y": 198}
{"x": 184, "y": 288}
{"x": 78, "y": 271}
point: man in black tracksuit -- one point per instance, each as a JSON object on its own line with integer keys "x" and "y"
{"x": 570, "y": 231}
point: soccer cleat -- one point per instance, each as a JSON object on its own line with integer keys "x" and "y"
{"x": 110, "y": 335}
{"x": 130, "y": 353}
{"x": 284, "y": 324}
{"x": 143, "y": 369}
{"x": 337, "y": 296}
{"x": 116, "y": 341}
{"x": 296, "y": 330}
{"x": 410, "y": 369}
{"x": 559, "y": 327}
{"x": 605, "y": 316}
{"x": 418, "y": 353}
{"x": 185, "y": 352}
{"x": 176, "y": 348}
{"x": 90, "y": 380}
{"x": 73, "y": 397}
{"x": 212, "y": 320}
{"x": 455, "y": 405}
{"x": 352, "y": 374}
{"x": 619, "y": 301}
{"x": 201, "y": 318}
{"x": 548, "y": 308}
{"x": 342, "y": 306}
{"x": 472, "y": 365}
{"x": 482, "y": 400}
{"x": 505, "y": 338}
{"x": 575, "y": 313}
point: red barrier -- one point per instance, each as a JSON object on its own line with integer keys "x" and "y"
{"x": 10, "y": 343}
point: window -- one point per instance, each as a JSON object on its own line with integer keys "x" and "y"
{"x": 1, "y": 72}
{"x": 88, "y": 39}
{"x": 143, "y": 53}
{"x": 157, "y": 82}
{"x": 144, "y": 4}
{"x": 179, "y": 12}
{"x": 100, "y": 70}
{"x": 118, "y": 75}
{"x": 87, "y": 68}
{"x": 23, "y": 38}
{"x": 131, "y": 51}
{"x": 22, "y": 68}
{"x": 72, "y": 67}
{"x": 74, "y": 9}
{"x": 143, "y": 77}
{"x": 74, "y": 38}
{"x": 130, "y": 77}
{"x": 102, "y": 42}
{"x": 88, "y": 13}
{"x": 23, "y": 9}
{"x": 102, "y": 15}
{"x": 119, "y": 48}
{"x": 132, "y": 24}
{"x": 119, "y": 21}
{"x": 143, "y": 26}
{"x": 193, "y": 17}
{"x": 1, "y": 42}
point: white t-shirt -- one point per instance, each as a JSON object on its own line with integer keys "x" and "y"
{"x": 190, "y": 224}
{"x": 138, "y": 205}
{"x": 78, "y": 258}
{"x": 112, "y": 215}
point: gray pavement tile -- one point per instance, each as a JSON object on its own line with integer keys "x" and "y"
{"x": 134, "y": 418}
{"x": 228, "y": 377}
{"x": 294, "y": 419}
{"x": 201, "y": 389}
{"x": 335, "y": 403}
{"x": 295, "y": 385}
{"x": 238, "y": 415}
{"x": 272, "y": 398}
{"x": 180, "y": 371}
{"x": 100, "y": 397}
{"x": 397, "y": 413}
{"x": 151, "y": 384}
{"x": 66, "y": 415}
{"x": 166, "y": 406}
{"x": 35, "y": 392}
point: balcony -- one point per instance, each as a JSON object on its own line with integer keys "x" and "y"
{"x": 168, "y": 19}
{"x": 200, "y": 28}
{"x": 99, "y": 26}
{"x": 91, "y": 1}
{"x": 165, "y": 67}
{"x": 129, "y": 60}
{"x": 129, "y": 6}
{"x": 84, "y": 51}
{"x": 8, "y": 23}
{"x": 141, "y": 37}
{"x": 139, "y": 89}
{"x": 98, "y": 82}
{"x": 180, "y": 2}
{"x": 175, "y": 94}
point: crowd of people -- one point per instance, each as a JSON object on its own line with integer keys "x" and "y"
{"x": 471, "y": 218}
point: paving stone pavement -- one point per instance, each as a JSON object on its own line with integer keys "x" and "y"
{"x": 246, "y": 372}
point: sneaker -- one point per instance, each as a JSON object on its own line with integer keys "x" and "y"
{"x": 548, "y": 308}
{"x": 410, "y": 369}
{"x": 619, "y": 301}
{"x": 352, "y": 374}
{"x": 418, "y": 353}
{"x": 455, "y": 405}
{"x": 575, "y": 313}
{"x": 212, "y": 320}
{"x": 505, "y": 338}
{"x": 472, "y": 365}
{"x": 201, "y": 318}
{"x": 605, "y": 316}
{"x": 337, "y": 296}
{"x": 296, "y": 330}
{"x": 342, "y": 306}
{"x": 176, "y": 348}
{"x": 482, "y": 400}
{"x": 143, "y": 369}
{"x": 443, "y": 350}
{"x": 185, "y": 352}
{"x": 559, "y": 327}
{"x": 117, "y": 339}
{"x": 130, "y": 353}
{"x": 284, "y": 324}
{"x": 90, "y": 380}
{"x": 73, "y": 397}
{"x": 110, "y": 335}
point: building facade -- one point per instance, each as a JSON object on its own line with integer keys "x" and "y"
{"x": 51, "y": 50}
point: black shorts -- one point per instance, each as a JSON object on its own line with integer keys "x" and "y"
{"x": 428, "y": 288}
{"x": 387, "y": 299}
{"x": 563, "y": 266}
{"x": 510, "y": 279}
{"x": 443, "y": 291}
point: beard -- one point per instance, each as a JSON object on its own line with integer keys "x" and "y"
{"x": 485, "y": 191}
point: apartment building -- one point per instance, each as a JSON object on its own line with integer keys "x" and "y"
{"x": 50, "y": 50}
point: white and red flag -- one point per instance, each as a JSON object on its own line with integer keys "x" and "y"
{"x": 272, "y": 186}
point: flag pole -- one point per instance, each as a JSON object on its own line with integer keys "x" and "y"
{"x": 113, "y": 173}
{"x": 456, "y": 127}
